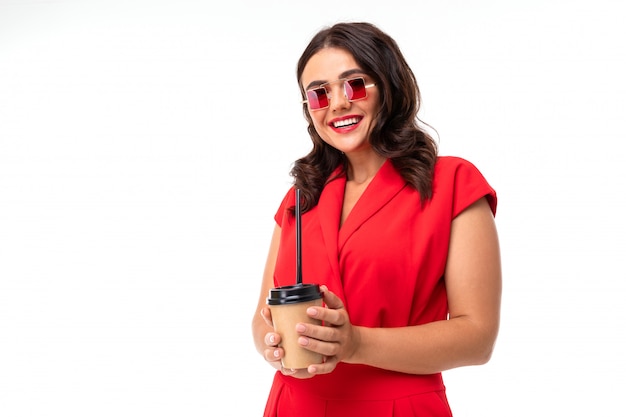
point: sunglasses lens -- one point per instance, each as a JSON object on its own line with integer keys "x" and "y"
{"x": 355, "y": 89}
{"x": 317, "y": 98}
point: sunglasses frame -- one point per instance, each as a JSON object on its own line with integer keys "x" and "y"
{"x": 344, "y": 80}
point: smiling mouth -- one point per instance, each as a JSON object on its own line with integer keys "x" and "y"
{"x": 346, "y": 122}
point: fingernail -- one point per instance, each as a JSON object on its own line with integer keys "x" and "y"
{"x": 311, "y": 311}
{"x": 272, "y": 339}
{"x": 300, "y": 328}
{"x": 276, "y": 353}
{"x": 303, "y": 341}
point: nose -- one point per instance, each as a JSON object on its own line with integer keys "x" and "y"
{"x": 338, "y": 99}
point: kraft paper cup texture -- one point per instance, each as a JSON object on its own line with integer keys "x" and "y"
{"x": 285, "y": 317}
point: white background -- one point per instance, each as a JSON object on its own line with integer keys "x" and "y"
{"x": 145, "y": 145}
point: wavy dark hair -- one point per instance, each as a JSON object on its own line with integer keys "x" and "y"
{"x": 397, "y": 133}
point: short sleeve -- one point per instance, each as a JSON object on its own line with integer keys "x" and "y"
{"x": 468, "y": 184}
{"x": 283, "y": 210}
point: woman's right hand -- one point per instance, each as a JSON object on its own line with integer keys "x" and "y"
{"x": 272, "y": 353}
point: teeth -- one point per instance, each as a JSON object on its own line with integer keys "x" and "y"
{"x": 346, "y": 122}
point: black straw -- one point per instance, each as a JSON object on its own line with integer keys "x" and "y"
{"x": 298, "y": 240}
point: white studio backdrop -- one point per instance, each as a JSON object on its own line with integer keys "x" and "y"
{"x": 145, "y": 145}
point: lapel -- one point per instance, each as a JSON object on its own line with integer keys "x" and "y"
{"x": 384, "y": 186}
{"x": 329, "y": 211}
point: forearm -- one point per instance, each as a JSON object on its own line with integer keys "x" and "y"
{"x": 425, "y": 349}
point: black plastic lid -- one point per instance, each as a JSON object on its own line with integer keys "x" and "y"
{"x": 292, "y": 294}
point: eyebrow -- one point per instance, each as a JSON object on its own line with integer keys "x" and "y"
{"x": 344, "y": 74}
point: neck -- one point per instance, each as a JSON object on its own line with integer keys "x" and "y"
{"x": 362, "y": 171}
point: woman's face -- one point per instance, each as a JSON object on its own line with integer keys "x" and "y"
{"x": 344, "y": 124}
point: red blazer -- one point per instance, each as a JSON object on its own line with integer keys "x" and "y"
{"x": 386, "y": 263}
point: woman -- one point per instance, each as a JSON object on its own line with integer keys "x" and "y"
{"x": 402, "y": 240}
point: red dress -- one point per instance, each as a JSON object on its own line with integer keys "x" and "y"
{"x": 386, "y": 262}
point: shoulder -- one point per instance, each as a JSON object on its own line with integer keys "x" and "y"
{"x": 289, "y": 200}
{"x": 447, "y": 164}
{"x": 456, "y": 168}
{"x": 462, "y": 181}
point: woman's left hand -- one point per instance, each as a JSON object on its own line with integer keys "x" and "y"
{"x": 337, "y": 339}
